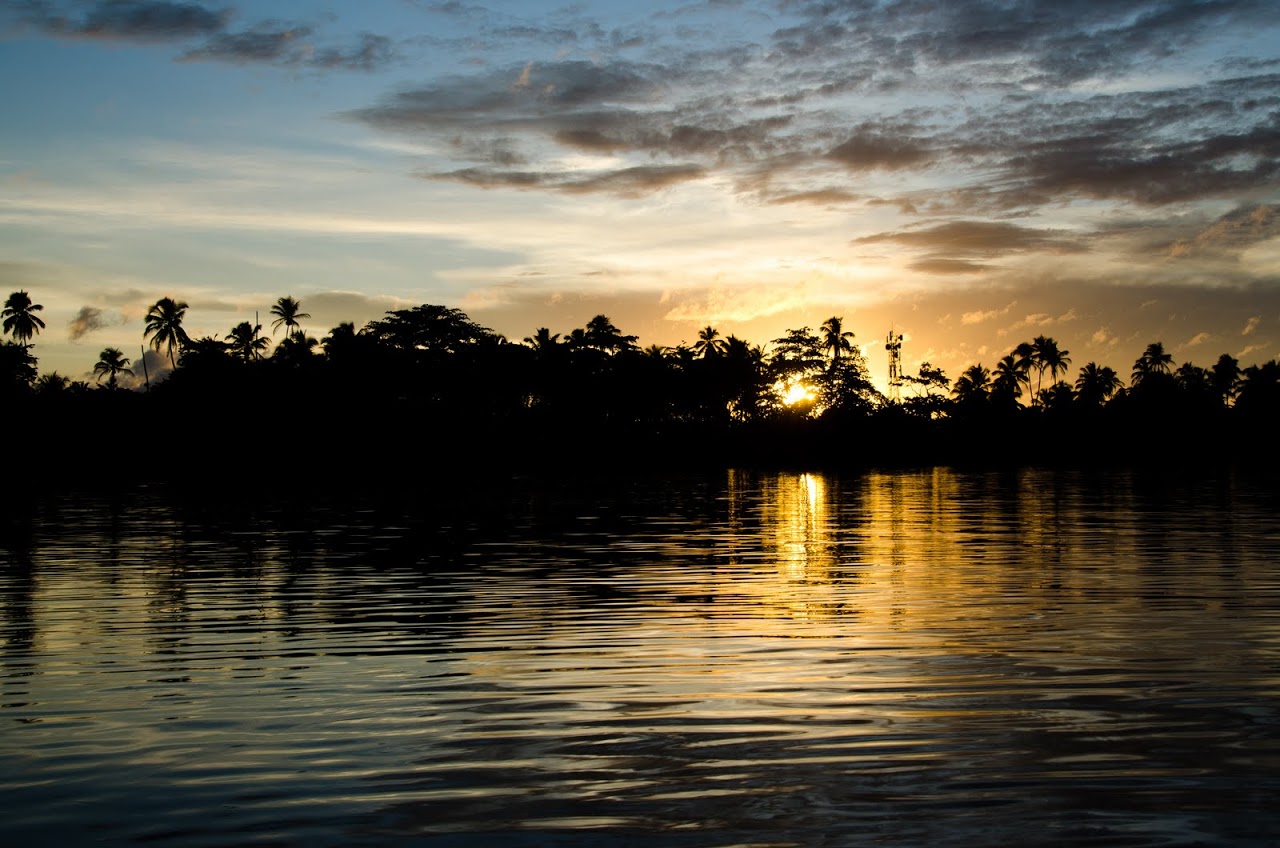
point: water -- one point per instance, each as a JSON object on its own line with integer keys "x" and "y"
{"x": 934, "y": 658}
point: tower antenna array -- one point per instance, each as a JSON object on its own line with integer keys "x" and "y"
{"x": 893, "y": 344}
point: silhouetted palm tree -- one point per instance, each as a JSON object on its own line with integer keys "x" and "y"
{"x": 542, "y": 340}
{"x": 1047, "y": 356}
{"x": 1096, "y": 384}
{"x": 835, "y": 339}
{"x": 1154, "y": 360}
{"x": 655, "y": 352}
{"x": 20, "y": 319}
{"x": 1192, "y": 377}
{"x": 52, "y": 384}
{"x": 1008, "y": 379}
{"x": 288, "y": 313}
{"x": 1058, "y": 396}
{"x": 602, "y": 335}
{"x": 1225, "y": 377}
{"x": 709, "y": 343}
{"x": 295, "y": 349}
{"x": 244, "y": 341}
{"x": 973, "y": 385}
{"x": 110, "y": 363}
{"x": 164, "y": 326}
{"x": 341, "y": 340}
{"x": 1260, "y": 390}
{"x": 17, "y": 368}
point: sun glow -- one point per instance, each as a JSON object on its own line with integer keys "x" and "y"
{"x": 796, "y": 393}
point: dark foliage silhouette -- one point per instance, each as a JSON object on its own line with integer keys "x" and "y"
{"x": 20, "y": 319}
{"x": 164, "y": 326}
{"x": 430, "y": 384}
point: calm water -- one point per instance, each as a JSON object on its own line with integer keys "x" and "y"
{"x": 928, "y": 658}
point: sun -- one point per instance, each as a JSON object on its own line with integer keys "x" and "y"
{"x": 796, "y": 393}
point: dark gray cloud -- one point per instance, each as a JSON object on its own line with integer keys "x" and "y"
{"x": 994, "y": 94}
{"x": 1021, "y": 43}
{"x": 370, "y": 53}
{"x": 978, "y": 238}
{"x": 532, "y": 95}
{"x": 126, "y": 20}
{"x": 204, "y": 26}
{"x": 867, "y": 150}
{"x": 87, "y": 320}
{"x": 266, "y": 43}
{"x": 281, "y": 44}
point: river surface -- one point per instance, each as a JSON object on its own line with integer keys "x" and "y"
{"x": 735, "y": 659}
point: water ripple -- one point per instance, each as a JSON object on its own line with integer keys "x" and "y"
{"x": 786, "y": 659}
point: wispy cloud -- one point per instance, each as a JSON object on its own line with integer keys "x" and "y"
{"x": 1199, "y": 338}
{"x": 626, "y": 182}
{"x": 980, "y": 316}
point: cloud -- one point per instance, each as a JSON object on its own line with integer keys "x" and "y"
{"x": 977, "y": 238}
{"x": 264, "y": 43}
{"x": 1023, "y": 44}
{"x": 1233, "y": 232}
{"x": 739, "y": 303}
{"x": 1044, "y": 319}
{"x": 273, "y": 43}
{"x": 1199, "y": 339}
{"x": 170, "y": 21}
{"x": 948, "y": 266}
{"x": 866, "y": 150}
{"x": 1251, "y": 325}
{"x": 625, "y": 182}
{"x": 87, "y": 320}
{"x": 979, "y": 316}
{"x": 1253, "y": 348}
{"x": 818, "y": 197}
{"x": 1051, "y": 103}
{"x": 153, "y": 367}
{"x": 125, "y": 20}
{"x": 1104, "y": 336}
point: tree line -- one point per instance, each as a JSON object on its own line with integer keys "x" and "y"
{"x": 431, "y": 369}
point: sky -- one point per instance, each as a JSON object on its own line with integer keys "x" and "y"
{"x": 969, "y": 175}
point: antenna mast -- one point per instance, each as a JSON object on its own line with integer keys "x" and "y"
{"x": 893, "y": 344}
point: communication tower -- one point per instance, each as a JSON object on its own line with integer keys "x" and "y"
{"x": 893, "y": 344}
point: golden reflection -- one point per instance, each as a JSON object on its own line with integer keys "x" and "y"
{"x": 796, "y": 534}
{"x": 797, "y": 518}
